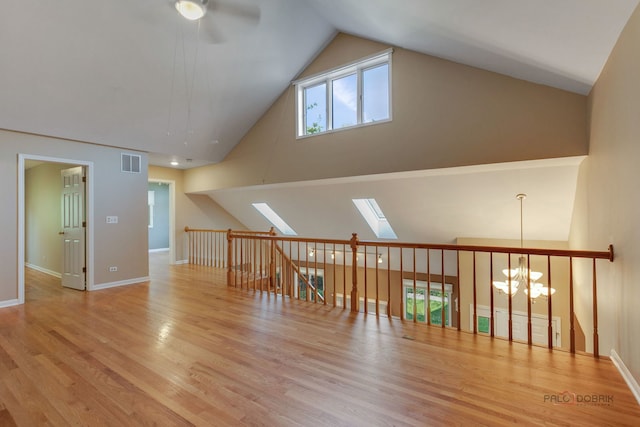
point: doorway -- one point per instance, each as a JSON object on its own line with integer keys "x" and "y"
{"x": 50, "y": 258}
{"x": 161, "y": 222}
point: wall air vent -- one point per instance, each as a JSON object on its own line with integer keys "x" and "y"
{"x": 131, "y": 163}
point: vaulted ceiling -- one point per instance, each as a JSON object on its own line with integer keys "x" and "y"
{"x": 135, "y": 74}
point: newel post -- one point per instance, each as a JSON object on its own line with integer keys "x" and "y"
{"x": 230, "y": 276}
{"x": 355, "y": 301}
{"x": 272, "y": 261}
{"x": 189, "y": 248}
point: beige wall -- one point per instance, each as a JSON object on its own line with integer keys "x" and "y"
{"x": 608, "y": 201}
{"x": 43, "y": 217}
{"x": 192, "y": 210}
{"x": 444, "y": 114}
{"x": 115, "y": 193}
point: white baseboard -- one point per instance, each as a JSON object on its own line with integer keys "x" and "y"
{"x": 182, "y": 261}
{"x": 9, "y": 303}
{"x": 119, "y": 283}
{"x": 626, "y": 374}
{"x": 43, "y": 270}
{"x": 151, "y": 251}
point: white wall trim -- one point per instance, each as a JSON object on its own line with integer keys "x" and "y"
{"x": 127, "y": 282}
{"x": 626, "y": 374}
{"x": 182, "y": 261}
{"x": 43, "y": 270}
{"x": 9, "y": 303}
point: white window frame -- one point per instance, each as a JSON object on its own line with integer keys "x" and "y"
{"x": 327, "y": 77}
{"x": 428, "y": 287}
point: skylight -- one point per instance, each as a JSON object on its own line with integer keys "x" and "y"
{"x": 371, "y": 212}
{"x": 274, "y": 219}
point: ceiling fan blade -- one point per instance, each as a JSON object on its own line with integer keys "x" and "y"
{"x": 245, "y": 12}
{"x": 210, "y": 33}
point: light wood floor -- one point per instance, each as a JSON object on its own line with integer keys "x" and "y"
{"x": 184, "y": 349}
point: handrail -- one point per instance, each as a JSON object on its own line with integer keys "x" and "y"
{"x": 468, "y": 274}
{"x": 608, "y": 254}
{"x": 243, "y": 232}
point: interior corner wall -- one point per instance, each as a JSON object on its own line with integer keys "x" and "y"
{"x": 115, "y": 193}
{"x": 444, "y": 114}
{"x": 607, "y": 208}
{"x": 192, "y": 210}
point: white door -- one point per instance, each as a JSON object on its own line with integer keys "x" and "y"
{"x": 519, "y": 330}
{"x": 73, "y": 228}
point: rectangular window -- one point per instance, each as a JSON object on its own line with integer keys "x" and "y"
{"x": 315, "y": 100}
{"x": 353, "y": 95}
{"x": 375, "y": 86}
{"x": 344, "y": 102}
{"x": 432, "y": 308}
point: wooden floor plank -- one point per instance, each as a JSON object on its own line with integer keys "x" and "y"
{"x": 184, "y": 349}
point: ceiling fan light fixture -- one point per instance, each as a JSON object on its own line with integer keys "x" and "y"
{"x": 192, "y": 9}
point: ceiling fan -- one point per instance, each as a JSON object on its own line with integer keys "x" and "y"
{"x": 195, "y": 10}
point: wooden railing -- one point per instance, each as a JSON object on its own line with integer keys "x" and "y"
{"x": 428, "y": 283}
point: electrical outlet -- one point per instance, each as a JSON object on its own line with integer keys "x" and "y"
{"x": 112, "y": 269}
{"x": 112, "y": 220}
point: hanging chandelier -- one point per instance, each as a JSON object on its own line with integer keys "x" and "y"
{"x": 522, "y": 274}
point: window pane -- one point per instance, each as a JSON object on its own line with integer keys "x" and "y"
{"x": 375, "y": 94}
{"x": 315, "y": 98}
{"x": 345, "y": 101}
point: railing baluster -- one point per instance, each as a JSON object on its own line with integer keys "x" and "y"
{"x": 428, "y": 306}
{"x": 415, "y": 291}
{"x": 510, "y": 302}
{"x": 402, "y": 316}
{"x": 375, "y": 259}
{"x": 366, "y": 294}
{"x": 335, "y": 283}
{"x": 324, "y": 269}
{"x": 389, "y": 282}
{"x": 442, "y": 310}
{"x": 458, "y": 288}
{"x": 315, "y": 272}
{"x": 572, "y": 331}
{"x": 529, "y": 324}
{"x": 491, "y": 294}
{"x": 344, "y": 276}
{"x": 549, "y": 307}
{"x": 355, "y": 301}
{"x": 596, "y": 344}
{"x": 475, "y": 298}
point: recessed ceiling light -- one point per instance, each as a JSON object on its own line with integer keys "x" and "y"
{"x": 174, "y": 163}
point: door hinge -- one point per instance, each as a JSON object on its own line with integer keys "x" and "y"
{"x": 84, "y": 179}
{"x": 84, "y": 269}
{"x": 84, "y": 224}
